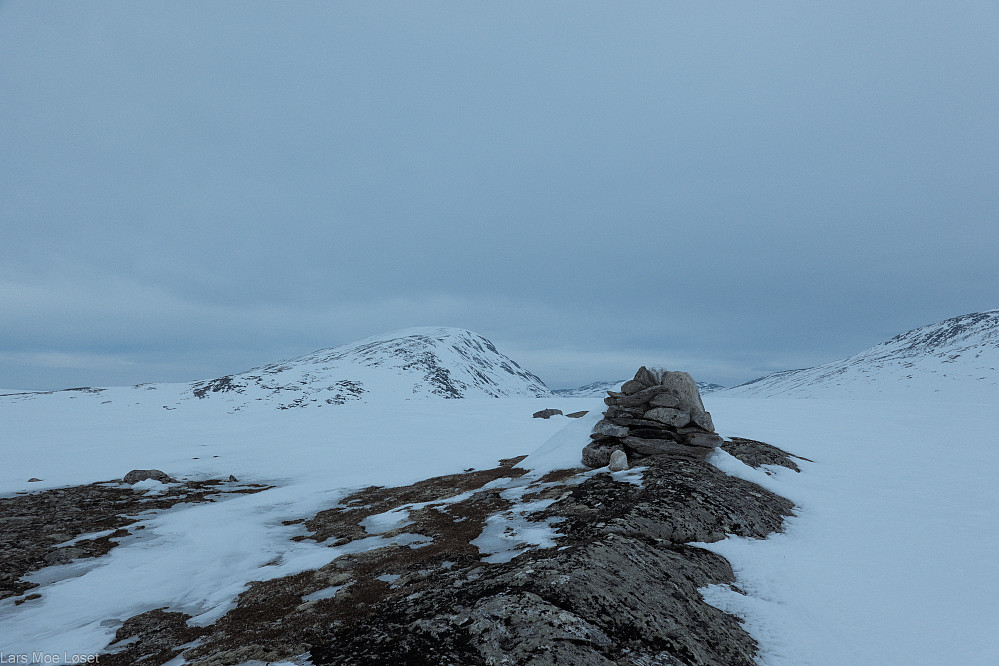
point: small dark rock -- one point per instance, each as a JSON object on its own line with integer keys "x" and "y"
{"x": 33, "y": 479}
{"x": 547, "y": 413}
{"x": 576, "y": 415}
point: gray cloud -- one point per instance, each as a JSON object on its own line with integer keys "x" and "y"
{"x": 191, "y": 189}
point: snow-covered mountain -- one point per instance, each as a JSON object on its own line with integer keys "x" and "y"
{"x": 957, "y": 358}
{"x": 599, "y": 389}
{"x": 411, "y": 363}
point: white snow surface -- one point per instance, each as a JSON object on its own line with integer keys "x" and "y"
{"x": 957, "y": 358}
{"x": 889, "y": 560}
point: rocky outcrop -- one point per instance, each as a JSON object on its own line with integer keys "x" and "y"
{"x": 659, "y": 412}
{"x": 618, "y": 585}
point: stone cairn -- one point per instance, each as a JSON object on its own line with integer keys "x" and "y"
{"x": 657, "y": 412}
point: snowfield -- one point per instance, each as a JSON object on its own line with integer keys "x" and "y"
{"x": 891, "y": 556}
{"x": 198, "y": 557}
{"x": 890, "y": 559}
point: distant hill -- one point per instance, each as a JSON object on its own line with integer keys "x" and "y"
{"x": 957, "y": 357}
{"x": 411, "y": 363}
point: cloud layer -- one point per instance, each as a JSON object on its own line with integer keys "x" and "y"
{"x": 192, "y": 189}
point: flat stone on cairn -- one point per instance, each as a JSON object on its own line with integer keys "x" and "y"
{"x": 659, "y": 412}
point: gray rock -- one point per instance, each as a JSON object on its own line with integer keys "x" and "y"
{"x": 664, "y": 400}
{"x": 64, "y": 555}
{"x": 661, "y": 432}
{"x": 576, "y": 415}
{"x": 703, "y": 439}
{"x": 523, "y": 628}
{"x": 636, "y": 423}
{"x": 658, "y": 447}
{"x": 702, "y": 419}
{"x": 668, "y": 415}
{"x": 642, "y": 397}
{"x": 632, "y": 386}
{"x": 605, "y": 427}
{"x": 681, "y": 385}
{"x": 756, "y": 454}
{"x": 646, "y": 377}
{"x": 597, "y": 454}
{"x": 547, "y": 413}
{"x": 34, "y": 479}
{"x": 137, "y": 475}
{"x": 627, "y": 412}
{"x": 618, "y": 461}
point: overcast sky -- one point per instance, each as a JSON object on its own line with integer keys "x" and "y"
{"x": 190, "y": 189}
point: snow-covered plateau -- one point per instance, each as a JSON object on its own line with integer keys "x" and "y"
{"x": 889, "y": 557}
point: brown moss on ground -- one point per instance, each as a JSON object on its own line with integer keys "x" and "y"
{"x": 33, "y": 525}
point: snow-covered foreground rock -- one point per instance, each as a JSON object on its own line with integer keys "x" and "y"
{"x": 891, "y": 556}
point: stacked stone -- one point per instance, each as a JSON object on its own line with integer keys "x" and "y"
{"x": 658, "y": 412}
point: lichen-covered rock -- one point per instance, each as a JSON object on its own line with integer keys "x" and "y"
{"x": 523, "y": 628}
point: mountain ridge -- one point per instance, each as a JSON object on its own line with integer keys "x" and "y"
{"x": 421, "y": 362}
{"x": 958, "y": 356}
